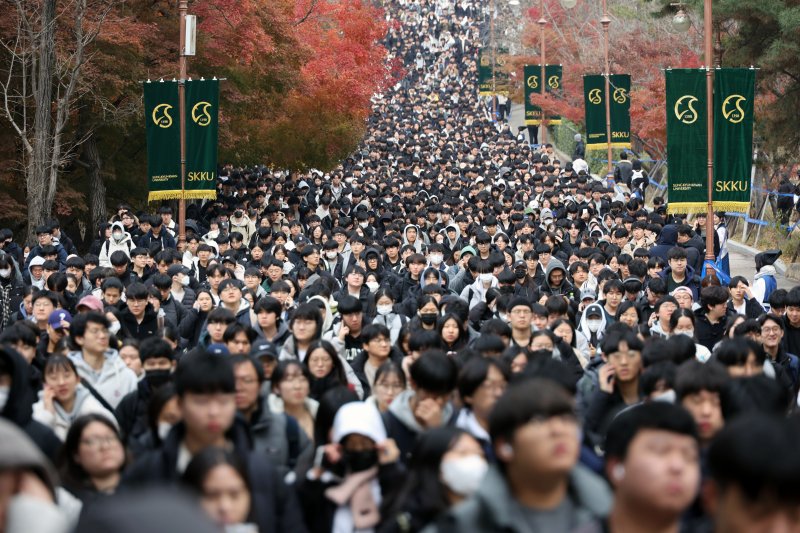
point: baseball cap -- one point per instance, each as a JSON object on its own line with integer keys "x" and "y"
{"x": 57, "y": 317}
{"x": 174, "y": 270}
{"x": 218, "y": 349}
{"x": 264, "y": 349}
{"x": 588, "y": 293}
{"x": 91, "y": 303}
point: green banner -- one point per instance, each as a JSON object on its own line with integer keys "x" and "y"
{"x": 687, "y": 139}
{"x": 532, "y": 73}
{"x": 501, "y": 77}
{"x": 484, "y": 72}
{"x": 163, "y": 140}
{"x": 734, "y": 95}
{"x": 594, "y": 104}
{"x": 202, "y": 130}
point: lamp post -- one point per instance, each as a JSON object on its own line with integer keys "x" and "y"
{"x": 681, "y": 22}
{"x": 183, "y": 7}
{"x": 542, "y": 22}
{"x": 605, "y": 21}
{"x": 494, "y": 60}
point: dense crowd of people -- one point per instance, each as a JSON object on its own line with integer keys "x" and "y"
{"x": 451, "y": 331}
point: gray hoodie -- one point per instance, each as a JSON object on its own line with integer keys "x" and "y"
{"x": 113, "y": 381}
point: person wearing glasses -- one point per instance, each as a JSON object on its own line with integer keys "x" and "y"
{"x": 93, "y": 458}
{"x": 98, "y": 364}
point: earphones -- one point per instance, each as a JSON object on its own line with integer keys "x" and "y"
{"x": 618, "y": 472}
{"x": 507, "y": 450}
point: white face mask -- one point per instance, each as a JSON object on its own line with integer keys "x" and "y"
{"x": 436, "y": 259}
{"x": 163, "y": 429}
{"x": 331, "y": 254}
{"x": 594, "y": 325}
{"x": 363, "y": 224}
{"x": 4, "y": 392}
{"x": 115, "y": 327}
{"x": 185, "y": 280}
{"x": 384, "y": 309}
{"x": 465, "y": 474}
{"x": 486, "y": 278}
{"x": 688, "y": 333}
{"x": 373, "y": 285}
{"x": 6, "y": 272}
{"x": 117, "y": 236}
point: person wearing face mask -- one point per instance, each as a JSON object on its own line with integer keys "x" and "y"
{"x": 334, "y": 261}
{"x": 593, "y": 325}
{"x": 11, "y": 291}
{"x": 158, "y": 362}
{"x": 353, "y": 476}
{"x": 241, "y": 223}
{"x": 386, "y": 314}
{"x": 120, "y": 240}
{"x": 476, "y": 292}
{"x": 436, "y": 257}
{"x": 448, "y": 466}
{"x": 682, "y": 322}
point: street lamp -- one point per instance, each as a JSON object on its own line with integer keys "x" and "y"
{"x": 682, "y": 23}
{"x": 542, "y": 22}
{"x": 605, "y": 21}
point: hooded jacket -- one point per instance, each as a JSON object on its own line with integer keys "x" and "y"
{"x": 493, "y": 508}
{"x": 245, "y": 226}
{"x": 37, "y": 283}
{"x": 402, "y": 425}
{"x": 420, "y": 237}
{"x": 24, "y": 513}
{"x": 19, "y": 407}
{"x": 111, "y": 245}
{"x": 565, "y": 288}
{"x": 584, "y": 328}
{"x": 113, "y": 381}
{"x": 61, "y": 420}
{"x": 281, "y": 440}
{"x": 274, "y": 508}
{"x": 667, "y": 239}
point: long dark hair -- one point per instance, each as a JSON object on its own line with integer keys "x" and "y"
{"x": 335, "y": 377}
{"x": 72, "y": 473}
{"x": 423, "y": 491}
{"x": 204, "y": 462}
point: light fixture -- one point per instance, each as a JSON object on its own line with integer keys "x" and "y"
{"x": 568, "y": 4}
{"x": 681, "y": 21}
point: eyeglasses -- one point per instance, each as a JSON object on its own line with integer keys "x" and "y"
{"x": 389, "y": 386}
{"x": 775, "y": 329}
{"x": 246, "y": 381}
{"x": 99, "y": 442}
{"x": 631, "y": 354}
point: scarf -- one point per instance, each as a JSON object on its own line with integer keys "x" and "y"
{"x": 5, "y": 298}
{"x": 356, "y": 489}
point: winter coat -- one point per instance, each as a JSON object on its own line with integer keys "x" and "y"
{"x": 61, "y": 420}
{"x": 493, "y": 509}
{"x": 131, "y": 327}
{"x": 111, "y": 245}
{"x": 279, "y": 437}
{"x": 113, "y": 381}
{"x": 19, "y": 407}
{"x": 402, "y": 425}
{"x": 274, "y": 505}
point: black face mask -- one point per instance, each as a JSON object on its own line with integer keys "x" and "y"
{"x": 428, "y": 318}
{"x": 520, "y": 274}
{"x": 238, "y": 214}
{"x": 157, "y": 378}
{"x": 360, "y": 461}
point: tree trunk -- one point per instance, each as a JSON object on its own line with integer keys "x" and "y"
{"x": 97, "y": 189}
{"x": 38, "y": 167}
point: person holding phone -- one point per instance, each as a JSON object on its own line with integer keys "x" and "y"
{"x": 618, "y": 382}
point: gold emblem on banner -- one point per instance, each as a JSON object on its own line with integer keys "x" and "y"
{"x": 553, "y": 82}
{"x": 533, "y": 82}
{"x": 161, "y": 116}
{"x": 200, "y": 114}
{"x": 620, "y": 95}
{"x": 684, "y": 109}
{"x": 594, "y": 96}
{"x": 736, "y": 114}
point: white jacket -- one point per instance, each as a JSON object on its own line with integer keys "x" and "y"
{"x": 111, "y": 246}
{"x": 60, "y": 421}
{"x": 113, "y": 381}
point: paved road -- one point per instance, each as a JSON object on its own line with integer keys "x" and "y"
{"x": 743, "y": 264}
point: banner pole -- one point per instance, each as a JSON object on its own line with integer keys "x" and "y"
{"x": 605, "y": 21}
{"x": 707, "y": 31}
{"x": 183, "y": 7}
{"x": 542, "y": 22}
